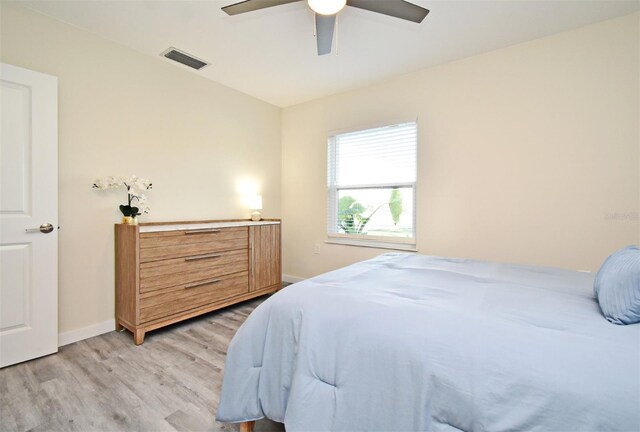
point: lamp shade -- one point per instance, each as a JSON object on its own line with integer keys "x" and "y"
{"x": 327, "y": 7}
{"x": 255, "y": 202}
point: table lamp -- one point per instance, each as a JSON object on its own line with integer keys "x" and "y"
{"x": 255, "y": 204}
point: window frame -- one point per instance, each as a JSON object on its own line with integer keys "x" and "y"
{"x": 364, "y": 240}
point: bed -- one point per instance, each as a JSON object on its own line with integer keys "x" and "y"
{"x": 406, "y": 342}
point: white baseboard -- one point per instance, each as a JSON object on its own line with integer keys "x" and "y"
{"x": 72, "y": 336}
{"x": 291, "y": 279}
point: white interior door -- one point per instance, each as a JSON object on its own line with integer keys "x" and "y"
{"x": 28, "y": 199}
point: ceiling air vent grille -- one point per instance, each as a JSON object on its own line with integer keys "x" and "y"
{"x": 184, "y": 58}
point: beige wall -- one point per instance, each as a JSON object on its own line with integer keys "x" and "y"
{"x": 121, "y": 112}
{"x": 528, "y": 154}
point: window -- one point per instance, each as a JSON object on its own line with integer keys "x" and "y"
{"x": 372, "y": 185}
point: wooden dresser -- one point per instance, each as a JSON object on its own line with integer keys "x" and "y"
{"x": 167, "y": 272}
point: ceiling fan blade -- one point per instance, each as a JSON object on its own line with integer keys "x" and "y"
{"x": 324, "y": 32}
{"x": 252, "y": 5}
{"x": 395, "y": 8}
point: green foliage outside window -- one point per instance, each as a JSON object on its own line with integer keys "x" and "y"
{"x": 395, "y": 205}
{"x": 351, "y": 219}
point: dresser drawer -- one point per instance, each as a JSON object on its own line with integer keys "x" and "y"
{"x": 182, "y": 298}
{"x": 173, "y": 244}
{"x": 156, "y": 275}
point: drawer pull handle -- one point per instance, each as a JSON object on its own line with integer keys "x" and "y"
{"x": 205, "y": 282}
{"x": 203, "y": 231}
{"x": 202, "y": 257}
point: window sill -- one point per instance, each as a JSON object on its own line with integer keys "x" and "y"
{"x": 406, "y": 247}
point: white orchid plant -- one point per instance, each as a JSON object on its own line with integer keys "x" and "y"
{"x": 135, "y": 187}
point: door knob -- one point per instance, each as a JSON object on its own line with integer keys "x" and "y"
{"x": 44, "y": 228}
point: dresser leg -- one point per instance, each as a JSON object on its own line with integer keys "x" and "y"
{"x": 247, "y": 426}
{"x": 119, "y": 327}
{"x": 138, "y": 336}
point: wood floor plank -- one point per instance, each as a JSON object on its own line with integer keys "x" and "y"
{"x": 191, "y": 418}
{"x": 106, "y": 383}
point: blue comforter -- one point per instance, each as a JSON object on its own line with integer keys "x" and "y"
{"x": 409, "y": 343}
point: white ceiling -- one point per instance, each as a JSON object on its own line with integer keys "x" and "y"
{"x": 271, "y": 53}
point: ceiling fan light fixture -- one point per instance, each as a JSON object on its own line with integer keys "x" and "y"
{"x": 327, "y": 7}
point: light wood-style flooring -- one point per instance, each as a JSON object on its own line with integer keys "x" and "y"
{"x": 106, "y": 383}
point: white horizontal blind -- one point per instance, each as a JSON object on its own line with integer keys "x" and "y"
{"x": 371, "y": 183}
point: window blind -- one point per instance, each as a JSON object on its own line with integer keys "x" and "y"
{"x": 371, "y": 183}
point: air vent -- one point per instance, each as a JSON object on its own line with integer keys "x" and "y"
{"x": 184, "y": 58}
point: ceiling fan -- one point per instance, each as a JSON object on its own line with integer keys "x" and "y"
{"x": 326, "y": 10}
